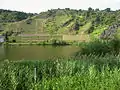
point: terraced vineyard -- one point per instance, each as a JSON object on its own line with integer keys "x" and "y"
{"x": 86, "y": 23}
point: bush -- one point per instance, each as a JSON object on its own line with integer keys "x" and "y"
{"x": 29, "y": 21}
{"x": 115, "y": 45}
{"x": 100, "y": 48}
{"x": 13, "y": 40}
{"x": 58, "y": 42}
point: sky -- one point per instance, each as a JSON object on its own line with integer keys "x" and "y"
{"x": 37, "y": 6}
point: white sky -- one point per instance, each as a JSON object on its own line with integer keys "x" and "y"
{"x": 36, "y": 6}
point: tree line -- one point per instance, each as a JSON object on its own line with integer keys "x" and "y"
{"x": 13, "y": 16}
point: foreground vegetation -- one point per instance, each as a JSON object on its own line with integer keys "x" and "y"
{"x": 99, "y": 47}
{"x": 83, "y": 73}
{"x": 95, "y": 67}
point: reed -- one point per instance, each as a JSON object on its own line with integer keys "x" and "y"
{"x": 83, "y": 73}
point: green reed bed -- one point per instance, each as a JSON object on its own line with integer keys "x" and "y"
{"x": 83, "y": 73}
{"x": 99, "y": 47}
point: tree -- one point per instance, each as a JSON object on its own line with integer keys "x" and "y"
{"x": 97, "y": 20}
{"x": 6, "y": 37}
{"x": 90, "y": 9}
{"x": 97, "y": 9}
{"x": 108, "y": 9}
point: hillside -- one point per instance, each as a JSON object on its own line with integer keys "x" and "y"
{"x": 13, "y": 16}
{"x": 8, "y": 16}
{"x": 89, "y": 23}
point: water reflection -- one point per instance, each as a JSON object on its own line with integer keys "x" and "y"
{"x": 36, "y": 52}
{"x": 2, "y": 52}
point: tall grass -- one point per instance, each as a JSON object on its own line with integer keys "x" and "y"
{"x": 83, "y": 73}
{"x": 100, "y": 48}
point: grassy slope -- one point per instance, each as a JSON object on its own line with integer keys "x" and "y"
{"x": 43, "y": 25}
{"x": 62, "y": 22}
{"x": 49, "y": 25}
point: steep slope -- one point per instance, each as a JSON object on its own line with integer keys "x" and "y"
{"x": 88, "y": 23}
{"x": 8, "y": 16}
{"x": 54, "y": 21}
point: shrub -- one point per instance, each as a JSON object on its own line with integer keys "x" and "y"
{"x": 99, "y": 47}
{"x": 58, "y": 42}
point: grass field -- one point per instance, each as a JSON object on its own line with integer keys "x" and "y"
{"x": 83, "y": 73}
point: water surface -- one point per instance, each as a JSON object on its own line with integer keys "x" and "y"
{"x": 36, "y": 52}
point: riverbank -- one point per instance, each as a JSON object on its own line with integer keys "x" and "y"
{"x": 46, "y": 42}
{"x": 46, "y": 39}
{"x": 85, "y": 72}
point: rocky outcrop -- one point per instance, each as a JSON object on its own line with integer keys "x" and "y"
{"x": 109, "y": 33}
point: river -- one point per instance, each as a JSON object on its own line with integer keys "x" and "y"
{"x": 36, "y": 52}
